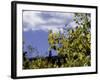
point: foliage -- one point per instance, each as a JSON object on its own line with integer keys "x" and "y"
{"x": 76, "y": 46}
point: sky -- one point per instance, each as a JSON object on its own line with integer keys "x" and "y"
{"x": 35, "y": 29}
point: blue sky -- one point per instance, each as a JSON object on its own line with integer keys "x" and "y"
{"x": 36, "y": 25}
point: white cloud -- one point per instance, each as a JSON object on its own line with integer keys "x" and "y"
{"x": 25, "y": 29}
{"x": 36, "y": 20}
{"x": 31, "y": 18}
{"x": 72, "y": 24}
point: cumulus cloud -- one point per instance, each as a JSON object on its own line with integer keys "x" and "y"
{"x": 43, "y": 20}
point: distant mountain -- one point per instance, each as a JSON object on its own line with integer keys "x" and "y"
{"x": 38, "y": 39}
